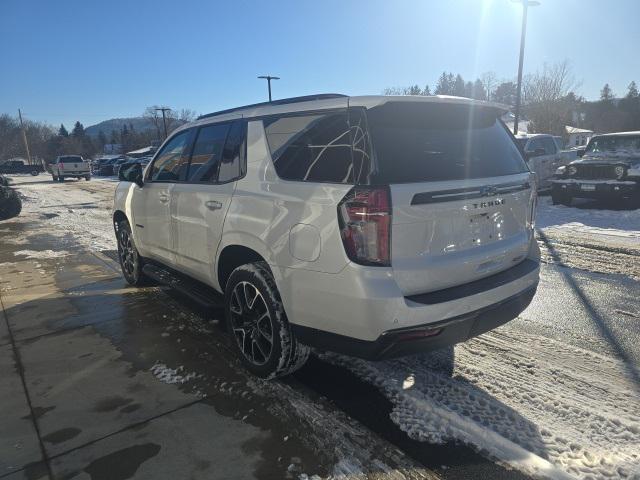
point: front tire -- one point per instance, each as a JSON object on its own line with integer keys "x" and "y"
{"x": 35, "y": 173}
{"x": 130, "y": 261}
{"x": 258, "y": 323}
{"x": 10, "y": 203}
{"x": 558, "y": 198}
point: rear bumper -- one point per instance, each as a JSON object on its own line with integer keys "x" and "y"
{"x": 362, "y": 312}
{"x": 421, "y": 338}
{"x": 601, "y": 188}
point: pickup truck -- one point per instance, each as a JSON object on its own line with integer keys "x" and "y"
{"x": 67, "y": 166}
{"x": 544, "y": 156}
{"x": 19, "y": 166}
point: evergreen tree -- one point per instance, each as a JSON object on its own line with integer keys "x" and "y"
{"x": 426, "y": 91}
{"x": 443, "y": 86}
{"x": 478, "y": 92}
{"x": 505, "y": 93}
{"x": 114, "y": 137}
{"x": 606, "y": 94}
{"x": 633, "y": 90}
{"x": 78, "y": 130}
{"x": 414, "y": 90}
{"x": 63, "y": 131}
{"x": 459, "y": 86}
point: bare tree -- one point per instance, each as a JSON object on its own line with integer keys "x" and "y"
{"x": 549, "y": 99}
{"x": 187, "y": 115}
{"x": 489, "y": 81}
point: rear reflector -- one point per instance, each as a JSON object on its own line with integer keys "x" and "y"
{"x": 365, "y": 225}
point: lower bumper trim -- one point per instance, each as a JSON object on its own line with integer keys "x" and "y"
{"x": 421, "y": 338}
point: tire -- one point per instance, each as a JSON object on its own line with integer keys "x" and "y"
{"x": 130, "y": 261}
{"x": 258, "y": 324}
{"x": 87, "y": 177}
{"x": 35, "y": 173}
{"x": 560, "y": 199}
{"x": 55, "y": 179}
{"x": 61, "y": 178}
{"x": 10, "y": 203}
{"x": 4, "y": 181}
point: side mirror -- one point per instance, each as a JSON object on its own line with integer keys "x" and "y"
{"x": 132, "y": 173}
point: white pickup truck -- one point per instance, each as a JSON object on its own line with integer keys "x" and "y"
{"x": 66, "y": 166}
{"x": 544, "y": 155}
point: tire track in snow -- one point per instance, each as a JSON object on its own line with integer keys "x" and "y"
{"x": 538, "y": 405}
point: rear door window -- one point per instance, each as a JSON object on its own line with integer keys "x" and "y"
{"x": 233, "y": 153}
{"x": 207, "y": 152}
{"x": 171, "y": 164}
{"x": 549, "y": 145}
{"x": 311, "y": 148}
{"x": 422, "y": 142}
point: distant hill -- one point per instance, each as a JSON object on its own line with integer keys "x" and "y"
{"x": 140, "y": 124}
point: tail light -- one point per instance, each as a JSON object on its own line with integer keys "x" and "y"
{"x": 365, "y": 225}
{"x": 533, "y": 203}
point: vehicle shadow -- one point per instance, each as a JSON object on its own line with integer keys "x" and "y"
{"x": 598, "y": 321}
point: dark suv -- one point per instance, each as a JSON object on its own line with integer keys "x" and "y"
{"x": 609, "y": 170}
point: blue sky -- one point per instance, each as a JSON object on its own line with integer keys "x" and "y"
{"x": 92, "y": 60}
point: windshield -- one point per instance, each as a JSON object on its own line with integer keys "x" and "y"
{"x": 615, "y": 144}
{"x": 418, "y": 142}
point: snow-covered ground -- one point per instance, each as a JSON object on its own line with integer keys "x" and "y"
{"x": 620, "y": 227}
{"x": 543, "y": 407}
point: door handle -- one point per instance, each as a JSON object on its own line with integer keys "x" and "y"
{"x": 213, "y": 205}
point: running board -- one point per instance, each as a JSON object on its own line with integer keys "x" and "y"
{"x": 206, "y": 297}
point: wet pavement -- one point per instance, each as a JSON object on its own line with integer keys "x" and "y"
{"x": 103, "y": 381}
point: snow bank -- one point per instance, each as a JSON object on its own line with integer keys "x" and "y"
{"x": 594, "y": 221}
{"x": 510, "y": 400}
{"x": 171, "y": 375}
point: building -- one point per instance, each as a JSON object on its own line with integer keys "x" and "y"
{"x": 577, "y": 136}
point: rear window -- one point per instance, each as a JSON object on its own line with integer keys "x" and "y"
{"x": 418, "y": 142}
{"x": 71, "y": 159}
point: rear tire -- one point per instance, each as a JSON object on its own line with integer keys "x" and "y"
{"x": 55, "y": 179}
{"x": 87, "y": 177}
{"x": 130, "y": 261}
{"x": 35, "y": 173}
{"x": 258, "y": 323}
{"x": 61, "y": 178}
{"x": 10, "y": 203}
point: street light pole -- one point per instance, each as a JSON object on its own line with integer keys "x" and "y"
{"x": 525, "y": 7}
{"x": 268, "y": 78}
{"x": 164, "y": 119}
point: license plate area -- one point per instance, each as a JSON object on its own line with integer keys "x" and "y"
{"x": 485, "y": 228}
{"x": 588, "y": 187}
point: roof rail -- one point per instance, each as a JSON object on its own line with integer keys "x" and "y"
{"x": 283, "y": 101}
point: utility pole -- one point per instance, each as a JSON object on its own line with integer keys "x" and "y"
{"x": 525, "y": 7}
{"x": 24, "y": 137}
{"x": 164, "y": 119}
{"x": 268, "y": 78}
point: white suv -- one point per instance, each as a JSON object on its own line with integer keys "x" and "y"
{"x": 372, "y": 226}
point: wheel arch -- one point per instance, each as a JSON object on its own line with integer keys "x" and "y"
{"x": 233, "y": 256}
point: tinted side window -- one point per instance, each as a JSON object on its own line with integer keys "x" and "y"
{"x": 207, "y": 152}
{"x": 233, "y": 153}
{"x": 311, "y": 148}
{"x": 549, "y": 145}
{"x": 170, "y": 165}
{"x": 535, "y": 144}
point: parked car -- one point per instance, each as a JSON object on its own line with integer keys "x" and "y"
{"x": 544, "y": 156}
{"x": 609, "y": 170}
{"x": 70, "y": 166}
{"x": 10, "y": 203}
{"x": 20, "y": 166}
{"x": 122, "y": 162}
{"x": 372, "y": 226}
